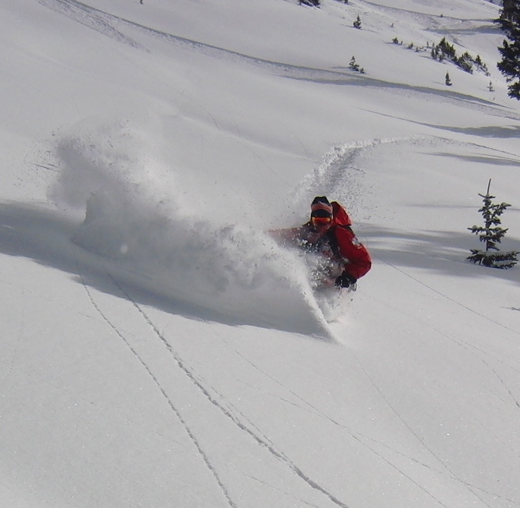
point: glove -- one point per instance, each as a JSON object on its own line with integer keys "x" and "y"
{"x": 345, "y": 280}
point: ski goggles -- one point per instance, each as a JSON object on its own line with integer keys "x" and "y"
{"x": 321, "y": 221}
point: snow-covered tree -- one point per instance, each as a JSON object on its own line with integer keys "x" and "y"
{"x": 491, "y": 233}
{"x": 509, "y": 66}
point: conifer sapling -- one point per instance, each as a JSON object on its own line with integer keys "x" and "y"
{"x": 491, "y": 234}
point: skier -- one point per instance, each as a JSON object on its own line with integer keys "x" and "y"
{"x": 329, "y": 233}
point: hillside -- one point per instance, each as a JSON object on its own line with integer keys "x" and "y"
{"x": 159, "y": 349}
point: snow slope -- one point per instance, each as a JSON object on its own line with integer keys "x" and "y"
{"x": 158, "y": 349}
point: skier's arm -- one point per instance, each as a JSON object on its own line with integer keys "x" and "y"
{"x": 359, "y": 260}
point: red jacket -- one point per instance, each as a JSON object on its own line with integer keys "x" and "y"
{"x": 339, "y": 242}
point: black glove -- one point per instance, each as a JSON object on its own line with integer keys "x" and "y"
{"x": 345, "y": 280}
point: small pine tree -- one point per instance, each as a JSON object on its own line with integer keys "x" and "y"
{"x": 481, "y": 66}
{"x": 353, "y": 65}
{"x": 465, "y": 62}
{"x": 447, "y": 49}
{"x": 443, "y": 50}
{"x": 491, "y": 234}
{"x": 447, "y": 79}
{"x": 357, "y": 23}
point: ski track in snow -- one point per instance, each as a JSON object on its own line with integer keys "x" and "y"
{"x": 439, "y": 460}
{"x": 256, "y": 434}
{"x": 90, "y": 17}
{"x": 464, "y": 344}
{"x": 338, "y": 174}
{"x": 362, "y": 439}
{"x": 261, "y": 440}
{"x": 238, "y": 418}
{"x": 358, "y": 437}
{"x": 169, "y": 401}
{"x": 456, "y": 302}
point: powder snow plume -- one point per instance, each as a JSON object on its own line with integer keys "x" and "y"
{"x": 146, "y": 230}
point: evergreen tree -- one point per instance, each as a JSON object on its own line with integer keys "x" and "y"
{"x": 481, "y": 65}
{"x": 509, "y": 66}
{"x": 447, "y": 79}
{"x": 357, "y": 23}
{"x": 353, "y": 65}
{"x": 443, "y": 50}
{"x": 447, "y": 48}
{"x": 491, "y": 234}
{"x": 465, "y": 62}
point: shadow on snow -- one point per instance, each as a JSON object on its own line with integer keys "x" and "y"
{"x": 45, "y": 236}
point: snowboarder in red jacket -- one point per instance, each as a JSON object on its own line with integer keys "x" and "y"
{"x": 329, "y": 233}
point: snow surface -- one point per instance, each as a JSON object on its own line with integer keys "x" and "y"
{"x": 158, "y": 349}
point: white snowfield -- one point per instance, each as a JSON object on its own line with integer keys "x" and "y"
{"x": 158, "y": 349}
